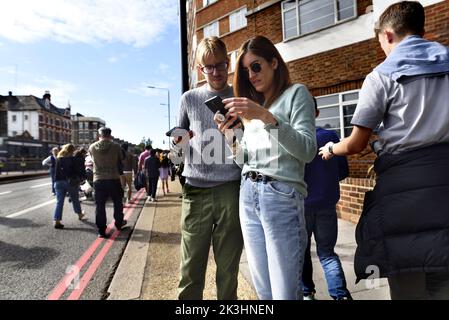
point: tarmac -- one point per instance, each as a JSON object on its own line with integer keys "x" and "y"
{"x": 149, "y": 267}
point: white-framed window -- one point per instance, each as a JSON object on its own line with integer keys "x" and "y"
{"x": 14, "y": 118}
{"x": 237, "y": 20}
{"x": 211, "y": 30}
{"x": 208, "y": 2}
{"x": 336, "y": 111}
{"x": 232, "y": 60}
{"x": 26, "y": 117}
{"x": 300, "y": 17}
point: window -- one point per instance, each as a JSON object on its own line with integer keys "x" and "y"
{"x": 14, "y": 118}
{"x": 306, "y": 16}
{"x": 14, "y": 133}
{"x": 211, "y": 30}
{"x": 232, "y": 60}
{"x": 237, "y": 20}
{"x": 336, "y": 112}
{"x": 208, "y": 2}
{"x": 41, "y": 118}
{"x": 26, "y": 117}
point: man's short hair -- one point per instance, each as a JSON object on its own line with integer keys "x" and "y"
{"x": 104, "y": 132}
{"x": 406, "y": 17}
{"x": 211, "y": 46}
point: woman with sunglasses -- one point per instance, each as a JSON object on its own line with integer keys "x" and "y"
{"x": 278, "y": 139}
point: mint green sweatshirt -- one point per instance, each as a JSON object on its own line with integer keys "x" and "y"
{"x": 282, "y": 151}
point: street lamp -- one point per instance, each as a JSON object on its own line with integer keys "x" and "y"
{"x": 168, "y": 101}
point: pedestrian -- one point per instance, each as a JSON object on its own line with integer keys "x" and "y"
{"x": 50, "y": 162}
{"x": 403, "y": 231}
{"x": 211, "y": 191}
{"x": 322, "y": 179}
{"x": 107, "y": 157}
{"x": 142, "y": 157}
{"x": 278, "y": 139}
{"x": 152, "y": 165}
{"x": 65, "y": 173}
{"x": 129, "y": 165}
{"x": 164, "y": 172}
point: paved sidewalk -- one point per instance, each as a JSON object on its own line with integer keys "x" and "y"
{"x": 149, "y": 268}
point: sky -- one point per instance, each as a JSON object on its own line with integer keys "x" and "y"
{"x": 99, "y": 56}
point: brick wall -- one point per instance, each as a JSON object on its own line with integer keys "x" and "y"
{"x": 352, "y": 192}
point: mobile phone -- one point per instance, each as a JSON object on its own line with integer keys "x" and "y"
{"x": 178, "y": 132}
{"x": 216, "y": 104}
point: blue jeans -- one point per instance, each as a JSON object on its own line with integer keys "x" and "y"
{"x": 323, "y": 224}
{"x": 275, "y": 237}
{"x": 61, "y": 188}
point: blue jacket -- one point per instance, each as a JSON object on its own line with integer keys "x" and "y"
{"x": 415, "y": 56}
{"x": 322, "y": 177}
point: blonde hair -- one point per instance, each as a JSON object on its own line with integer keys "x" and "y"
{"x": 210, "y": 46}
{"x": 66, "y": 150}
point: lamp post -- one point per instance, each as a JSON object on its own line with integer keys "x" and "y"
{"x": 168, "y": 101}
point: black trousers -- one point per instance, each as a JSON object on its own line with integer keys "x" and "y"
{"x": 152, "y": 186}
{"x": 103, "y": 190}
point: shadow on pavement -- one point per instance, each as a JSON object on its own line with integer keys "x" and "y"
{"x": 28, "y": 258}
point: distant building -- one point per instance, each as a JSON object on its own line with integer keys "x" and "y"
{"x": 31, "y": 126}
{"x": 85, "y": 129}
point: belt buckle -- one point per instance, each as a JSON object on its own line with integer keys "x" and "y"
{"x": 253, "y": 176}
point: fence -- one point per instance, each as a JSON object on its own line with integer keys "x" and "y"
{"x": 22, "y": 165}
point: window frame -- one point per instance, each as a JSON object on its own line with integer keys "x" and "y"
{"x": 240, "y": 14}
{"x": 340, "y": 107}
{"x": 217, "y": 23}
{"x": 298, "y": 24}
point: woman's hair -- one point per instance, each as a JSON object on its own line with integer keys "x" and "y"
{"x": 164, "y": 162}
{"x": 80, "y": 152}
{"x": 66, "y": 150}
{"x": 262, "y": 47}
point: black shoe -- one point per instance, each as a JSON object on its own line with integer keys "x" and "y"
{"x": 120, "y": 227}
{"x": 103, "y": 235}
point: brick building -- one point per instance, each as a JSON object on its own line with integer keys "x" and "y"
{"x": 329, "y": 46}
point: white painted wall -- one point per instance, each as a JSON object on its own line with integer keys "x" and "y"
{"x": 31, "y": 125}
{"x": 341, "y": 35}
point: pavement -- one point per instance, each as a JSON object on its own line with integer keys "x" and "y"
{"x": 149, "y": 268}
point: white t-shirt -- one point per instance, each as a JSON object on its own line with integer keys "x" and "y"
{"x": 413, "y": 114}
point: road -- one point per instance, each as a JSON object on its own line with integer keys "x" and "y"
{"x": 35, "y": 258}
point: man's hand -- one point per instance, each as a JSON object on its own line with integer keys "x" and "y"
{"x": 325, "y": 151}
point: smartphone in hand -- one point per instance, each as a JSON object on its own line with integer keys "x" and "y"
{"x": 216, "y": 104}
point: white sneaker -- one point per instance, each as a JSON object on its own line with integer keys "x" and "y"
{"x": 310, "y": 296}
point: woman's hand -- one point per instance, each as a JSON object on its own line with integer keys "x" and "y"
{"x": 248, "y": 109}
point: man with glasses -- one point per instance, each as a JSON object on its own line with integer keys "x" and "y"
{"x": 210, "y": 203}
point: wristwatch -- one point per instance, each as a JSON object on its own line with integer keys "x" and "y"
{"x": 330, "y": 148}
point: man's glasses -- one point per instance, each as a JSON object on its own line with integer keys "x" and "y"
{"x": 255, "y": 68}
{"x": 218, "y": 67}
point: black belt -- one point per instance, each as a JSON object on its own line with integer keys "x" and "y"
{"x": 255, "y": 176}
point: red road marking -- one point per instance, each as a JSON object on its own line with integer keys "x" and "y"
{"x": 62, "y": 286}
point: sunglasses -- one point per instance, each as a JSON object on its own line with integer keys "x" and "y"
{"x": 255, "y": 67}
{"x": 209, "y": 69}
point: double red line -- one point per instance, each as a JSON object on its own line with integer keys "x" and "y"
{"x": 66, "y": 282}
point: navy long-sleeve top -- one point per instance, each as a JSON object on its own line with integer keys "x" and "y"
{"x": 322, "y": 177}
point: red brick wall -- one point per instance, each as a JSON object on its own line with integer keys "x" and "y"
{"x": 352, "y": 192}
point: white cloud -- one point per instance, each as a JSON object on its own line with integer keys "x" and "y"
{"x": 143, "y": 90}
{"x": 29, "y": 84}
{"x": 163, "y": 68}
{"x": 113, "y": 59}
{"x": 135, "y": 22}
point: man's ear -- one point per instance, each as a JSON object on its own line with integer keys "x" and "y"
{"x": 390, "y": 36}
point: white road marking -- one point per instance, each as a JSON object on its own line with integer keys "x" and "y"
{"x": 6, "y": 192}
{"x": 13, "y": 215}
{"x": 41, "y": 185}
